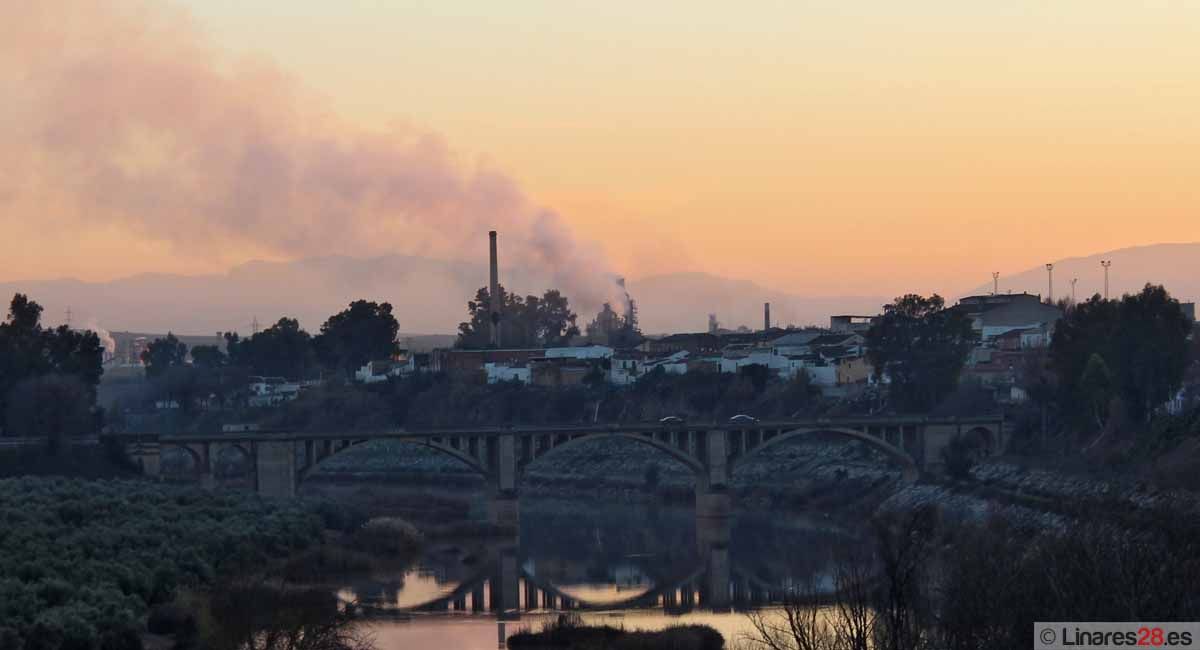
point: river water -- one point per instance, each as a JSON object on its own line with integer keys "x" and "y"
{"x": 634, "y": 566}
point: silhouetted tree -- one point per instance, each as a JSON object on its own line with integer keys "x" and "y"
{"x": 1142, "y": 340}
{"x": 28, "y": 350}
{"x": 53, "y": 406}
{"x": 363, "y": 332}
{"x": 526, "y": 322}
{"x": 281, "y": 350}
{"x": 208, "y": 357}
{"x": 163, "y": 354}
{"x": 921, "y": 347}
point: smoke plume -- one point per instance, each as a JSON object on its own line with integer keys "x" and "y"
{"x": 120, "y": 114}
{"x": 106, "y": 339}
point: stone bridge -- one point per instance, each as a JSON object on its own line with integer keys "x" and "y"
{"x": 713, "y": 451}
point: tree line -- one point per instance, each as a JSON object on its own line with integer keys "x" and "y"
{"x": 1108, "y": 363}
{"x": 542, "y": 322}
{"x": 48, "y": 376}
{"x": 363, "y": 332}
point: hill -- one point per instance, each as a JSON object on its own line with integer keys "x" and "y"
{"x": 1175, "y": 266}
{"x": 429, "y": 296}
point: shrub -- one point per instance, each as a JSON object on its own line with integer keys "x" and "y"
{"x": 389, "y": 535}
{"x": 959, "y": 457}
{"x": 82, "y": 562}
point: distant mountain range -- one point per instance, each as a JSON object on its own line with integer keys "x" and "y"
{"x": 430, "y": 295}
{"x": 681, "y": 302}
{"x": 1175, "y": 266}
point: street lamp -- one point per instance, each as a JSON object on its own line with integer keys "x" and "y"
{"x": 1073, "y": 281}
{"x": 995, "y": 283}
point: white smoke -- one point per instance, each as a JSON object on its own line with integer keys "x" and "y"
{"x": 106, "y": 339}
{"x": 119, "y": 114}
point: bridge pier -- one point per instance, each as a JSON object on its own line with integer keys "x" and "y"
{"x": 148, "y": 456}
{"x": 506, "y": 587}
{"x": 712, "y": 504}
{"x": 505, "y": 510}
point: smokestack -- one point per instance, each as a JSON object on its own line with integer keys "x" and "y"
{"x": 494, "y": 298}
{"x": 766, "y": 315}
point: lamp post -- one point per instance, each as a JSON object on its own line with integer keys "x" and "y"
{"x": 1073, "y": 281}
{"x": 1106, "y": 264}
{"x": 995, "y": 283}
{"x": 1050, "y": 281}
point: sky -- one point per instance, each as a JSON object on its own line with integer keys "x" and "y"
{"x": 820, "y": 147}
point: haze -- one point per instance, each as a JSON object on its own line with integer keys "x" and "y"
{"x": 821, "y": 148}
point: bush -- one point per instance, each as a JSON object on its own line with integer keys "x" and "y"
{"x": 169, "y": 618}
{"x": 82, "y": 562}
{"x": 959, "y": 458}
{"x": 388, "y": 535}
{"x": 569, "y": 631}
{"x": 10, "y": 640}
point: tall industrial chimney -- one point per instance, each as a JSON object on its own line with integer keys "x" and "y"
{"x": 766, "y": 315}
{"x": 496, "y": 301}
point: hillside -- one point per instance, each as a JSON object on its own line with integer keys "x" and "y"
{"x": 1175, "y": 266}
{"x": 429, "y": 295}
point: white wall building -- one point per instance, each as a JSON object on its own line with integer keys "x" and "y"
{"x": 586, "y": 352}
{"x": 498, "y": 372}
{"x": 271, "y": 391}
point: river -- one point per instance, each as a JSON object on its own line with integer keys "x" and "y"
{"x": 640, "y": 567}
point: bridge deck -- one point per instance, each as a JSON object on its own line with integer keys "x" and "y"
{"x": 566, "y": 429}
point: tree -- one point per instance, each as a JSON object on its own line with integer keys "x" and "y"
{"x": 531, "y": 321}
{"x": 363, "y": 332}
{"x": 920, "y": 346}
{"x": 1096, "y": 387}
{"x": 1141, "y": 338}
{"x": 28, "y": 350}
{"x": 552, "y": 323}
{"x": 208, "y": 357}
{"x": 163, "y": 354}
{"x": 281, "y": 350}
{"x": 53, "y": 406}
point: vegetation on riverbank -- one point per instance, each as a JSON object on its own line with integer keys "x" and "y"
{"x": 568, "y": 632}
{"x": 84, "y": 563}
{"x": 928, "y": 584}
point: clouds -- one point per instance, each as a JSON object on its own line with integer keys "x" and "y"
{"x": 123, "y": 116}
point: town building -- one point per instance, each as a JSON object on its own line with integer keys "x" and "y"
{"x": 996, "y": 314}
{"x": 272, "y": 391}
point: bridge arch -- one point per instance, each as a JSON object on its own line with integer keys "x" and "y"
{"x": 672, "y": 450}
{"x": 231, "y": 460}
{"x": 908, "y": 466}
{"x": 318, "y": 459}
{"x": 190, "y": 457}
{"x": 983, "y": 440}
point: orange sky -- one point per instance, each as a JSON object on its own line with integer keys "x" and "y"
{"x": 824, "y": 147}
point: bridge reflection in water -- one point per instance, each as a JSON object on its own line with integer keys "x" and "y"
{"x": 506, "y": 587}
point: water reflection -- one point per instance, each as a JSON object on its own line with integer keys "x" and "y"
{"x": 615, "y": 559}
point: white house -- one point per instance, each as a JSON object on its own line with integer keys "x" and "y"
{"x": 675, "y": 364}
{"x": 384, "y": 369}
{"x": 585, "y": 352}
{"x": 270, "y": 391}
{"x": 498, "y": 372}
{"x": 626, "y": 368}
